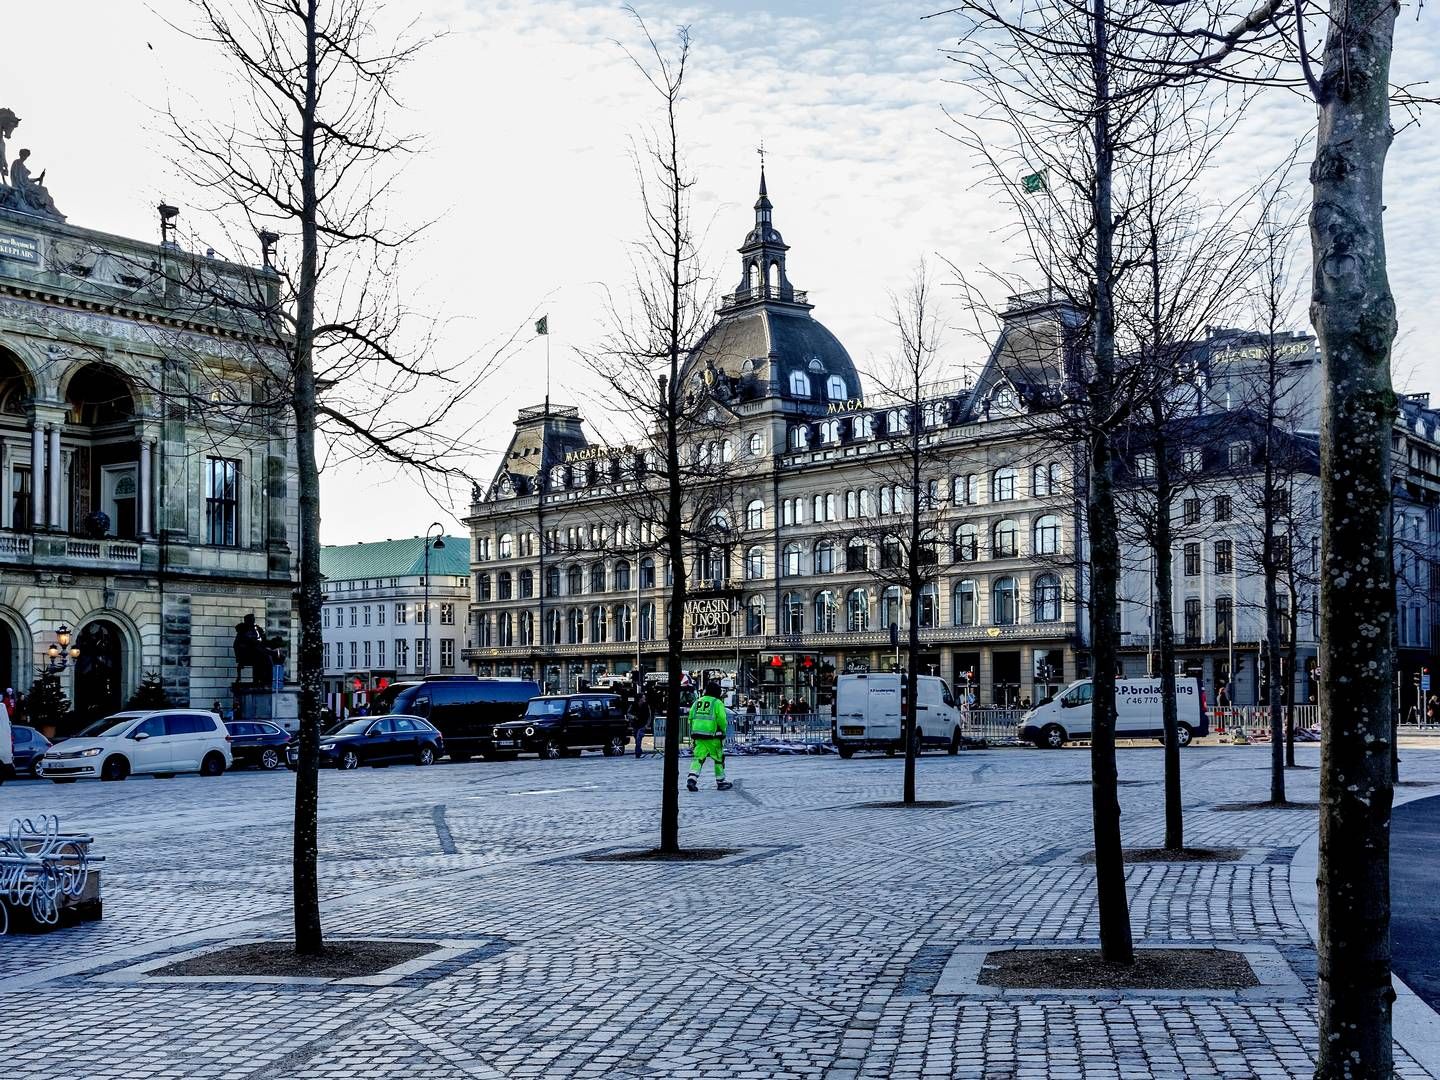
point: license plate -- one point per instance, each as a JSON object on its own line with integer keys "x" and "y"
{"x": 852, "y": 730}
{"x": 507, "y": 742}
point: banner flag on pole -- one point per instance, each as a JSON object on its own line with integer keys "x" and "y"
{"x": 1033, "y": 184}
{"x": 542, "y": 325}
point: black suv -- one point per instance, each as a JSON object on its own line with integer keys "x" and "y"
{"x": 565, "y": 724}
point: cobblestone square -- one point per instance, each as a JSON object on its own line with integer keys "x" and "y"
{"x": 817, "y": 951}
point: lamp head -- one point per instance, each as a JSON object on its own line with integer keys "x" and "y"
{"x": 439, "y": 543}
{"x": 62, "y": 635}
{"x": 53, "y": 651}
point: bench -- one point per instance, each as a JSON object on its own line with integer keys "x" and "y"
{"x": 47, "y": 877}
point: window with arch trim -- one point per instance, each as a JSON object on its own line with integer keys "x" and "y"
{"x": 1006, "y": 540}
{"x": 1047, "y": 535}
{"x": 967, "y": 543}
{"x": 597, "y": 624}
{"x": 647, "y": 573}
{"x": 1005, "y": 601}
{"x": 792, "y": 613}
{"x": 826, "y": 611}
{"x": 964, "y": 606}
{"x": 799, "y": 436}
{"x": 825, "y": 557}
{"x": 574, "y": 580}
{"x": 1002, "y": 485}
{"x": 755, "y": 515}
{"x": 929, "y": 613}
{"x": 755, "y": 564}
{"x": 575, "y": 627}
{"x": 790, "y": 560}
{"x": 857, "y": 611}
{"x": 1045, "y": 598}
{"x": 622, "y": 575}
{"x": 755, "y": 616}
{"x": 597, "y": 577}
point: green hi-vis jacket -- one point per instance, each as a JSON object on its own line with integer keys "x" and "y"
{"x": 707, "y": 718}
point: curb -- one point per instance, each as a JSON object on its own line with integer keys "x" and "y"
{"x": 1415, "y": 1027}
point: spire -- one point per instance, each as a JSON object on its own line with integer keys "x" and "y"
{"x": 762, "y": 256}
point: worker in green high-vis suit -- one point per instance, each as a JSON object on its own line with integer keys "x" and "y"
{"x": 707, "y": 731}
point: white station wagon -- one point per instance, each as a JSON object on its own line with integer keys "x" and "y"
{"x": 161, "y": 742}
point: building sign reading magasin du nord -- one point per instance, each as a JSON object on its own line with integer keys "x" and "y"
{"x": 709, "y": 616}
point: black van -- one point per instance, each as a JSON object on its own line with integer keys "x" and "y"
{"x": 466, "y": 710}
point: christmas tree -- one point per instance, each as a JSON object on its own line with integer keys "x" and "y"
{"x": 150, "y": 694}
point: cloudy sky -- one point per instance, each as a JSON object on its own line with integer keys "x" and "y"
{"x": 528, "y": 109}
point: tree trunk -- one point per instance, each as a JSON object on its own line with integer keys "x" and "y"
{"x": 1165, "y": 630}
{"x": 1354, "y": 316}
{"x": 917, "y": 582}
{"x": 1272, "y": 664}
{"x": 309, "y": 938}
{"x": 1116, "y": 946}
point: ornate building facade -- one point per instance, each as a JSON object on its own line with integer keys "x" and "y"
{"x": 568, "y": 584}
{"x": 146, "y": 502}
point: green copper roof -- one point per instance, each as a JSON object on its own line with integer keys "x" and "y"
{"x": 395, "y": 558}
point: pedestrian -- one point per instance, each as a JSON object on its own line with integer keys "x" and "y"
{"x": 707, "y": 730}
{"x": 640, "y": 717}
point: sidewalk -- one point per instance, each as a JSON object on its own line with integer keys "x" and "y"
{"x": 826, "y": 947}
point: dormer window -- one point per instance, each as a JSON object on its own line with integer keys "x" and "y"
{"x": 799, "y": 384}
{"x": 815, "y": 366}
{"x": 799, "y": 437}
{"x": 864, "y": 426}
{"x": 830, "y": 432}
{"x": 835, "y": 388}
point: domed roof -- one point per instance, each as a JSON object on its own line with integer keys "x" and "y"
{"x": 765, "y": 343}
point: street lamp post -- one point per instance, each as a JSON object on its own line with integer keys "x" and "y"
{"x": 437, "y": 543}
{"x": 61, "y": 652}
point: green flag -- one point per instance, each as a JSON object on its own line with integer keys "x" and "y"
{"x": 1033, "y": 184}
{"x": 542, "y": 325}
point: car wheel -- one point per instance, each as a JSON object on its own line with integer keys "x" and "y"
{"x": 349, "y": 760}
{"x": 426, "y": 756}
{"x": 35, "y": 769}
{"x": 213, "y": 765}
{"x": 1183, "y": 735}
{"x": 1052, "y": 737}
{"x": 115, "y": 768}
{"x": 616, "y": 746}
{"x": 955, "y": 741}
{"x": 550, "y": 750}
{"x": 269, "y": 759}
{"x": 847, "y": 752}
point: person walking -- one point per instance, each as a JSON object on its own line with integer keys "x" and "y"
{"x": 640, "y": 717}
{"x": 707, "y": 731}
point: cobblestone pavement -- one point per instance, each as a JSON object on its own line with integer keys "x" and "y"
{"x": 816, "y": 951}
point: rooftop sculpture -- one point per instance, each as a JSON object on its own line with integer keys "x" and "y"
{"x": 21, "y": 190}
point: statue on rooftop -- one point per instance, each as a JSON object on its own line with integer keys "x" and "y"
{"x": 8, "y": 122}
{"x": 23, "y": 192}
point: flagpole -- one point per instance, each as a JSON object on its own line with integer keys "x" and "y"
{"x": 547, "y": 370}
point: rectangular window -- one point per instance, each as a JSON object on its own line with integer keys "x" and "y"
{"x": 1192, "y": 560}
{"x": 1192, "y": 461}
{"x": 1222, "y": 507}
{"x": 447, "y": 654}
{"x": 379, "y": 614}
{"x": 420, "y": 658}
{"x": 325, "y": 654}
{"x": 368, "y": 661}
{"x": 402, "y": 653}
{"x": 1239, "y": 453}
{"x": 447, "y": 614}
{"x": 1192, "y": 511}
{"x": 1224, "y": 619}
{"x": 353, "y": 616}
{"x": 354, "y": 654}
{"x": 367, "y": 615}
{"x": 401, "y": 613}
{"x": 222, "y": 501}
{"x": 420, "y": 614}
{"x": 1224, "y": 557}
{"x": 380, "y": 652}
{"x": 1145, "y": 465}
{"x": 325, "y": 617}
{"x": 1192, "y": 621}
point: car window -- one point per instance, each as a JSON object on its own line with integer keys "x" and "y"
{"x": 182, "y": 724}
{"x": 352, "y": 727}
{"x": 404, "y": 723}
{"x": 110, "y": 727}
{"x": 240, "y": 729}
{"x": 155, "y": 725}
{"x": 420, "y": 705}
{"x": 384, "y": 727}
{"x": 545, "y": 707}
{"x": 267, "y": 729}
{"x": 595, "y": 708}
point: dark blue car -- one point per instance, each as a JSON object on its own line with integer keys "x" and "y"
{"x": 378, "y": 740}
{"x": 30, "y": 747}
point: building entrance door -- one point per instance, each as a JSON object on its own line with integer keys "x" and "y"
{"x": 98, "y": 671}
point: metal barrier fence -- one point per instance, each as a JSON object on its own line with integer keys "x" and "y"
{"x": 1254, "y": 720}
{"x": 991, "y": 724}
{"x": 799, "y": 732}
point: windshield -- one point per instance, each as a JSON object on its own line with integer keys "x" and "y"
{"x": 354, "y": 727}
{"x": 108, "y": 728}
{"x": 546, "y": 707}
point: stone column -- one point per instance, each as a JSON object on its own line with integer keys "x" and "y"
{"x": 38, "y": 487}
{"x": 54, "y": 474}
{"x": 143, "y": 506}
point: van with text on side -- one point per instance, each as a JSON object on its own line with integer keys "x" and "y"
{"x": 868, "y": 713}
{"x": 1051, "y": 724}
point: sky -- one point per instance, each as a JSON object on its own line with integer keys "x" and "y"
{"x": 528, "y": 111}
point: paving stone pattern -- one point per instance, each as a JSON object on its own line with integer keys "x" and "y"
{"x": 816, "y": 953}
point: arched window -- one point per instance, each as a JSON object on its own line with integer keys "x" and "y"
{"x": 791, "y": 560}
{"x": 552, "y": 628}
{"x": 799, "y": 437}
{"x": 620, "y": 620}
{"x": 829, "y": 432}
{"x": 527, "y": 584}
{"x": 507, "y": 546}
{"x": 1007, "y": 540}
{"x": 503, "y": 587}
{"x": 622, "y": 575}
{"x": 965, "y": 490}
{"x": 964, "y": 611}
{"x": 1045, "y": 598}
{"x": 826, "y": 611}
{"x": 597, "y": 577}
{"x": 574, "y": 581}
{"x": 967, "y": 543}
{"x": 857, "y": 555}
{"x": 890, "y": 553}
{"x": 857, "y": 611}
{"x": 892, "y": 606}
{"x": 929, "y": 605}
{"x": 575, "y": 627}
{"x": 1002, "y": 485}
{"x": 718, "y": 520}
{"x": 755, "y": 564}
{"x": 597, "y": 624}
{"x": 482, "y": 586}
{"x": 799, "y": 384}
{"x": 647, "y": 621}
{"x": 825, "y": 557}
{"x": 506, "y": 636}
{"x": 897, "y": 421}
{"x": 792, "y": 614}
{"x": 755, "y": 616}
{"x": 835, "y": 388}
{"x": 482, "y": 636}
{"x": 755, "y": 515}
{"x": 1004, "y": 601}
{"x": 557, "y": 477}
{"x": 1040, "y": 486}
{"x": 527, "y": 627}
{"x": 727, "y": 451}
{"x": 647, "y": 573}
{"x": 1047, "y": 535}
{"x": 714, "y": 567}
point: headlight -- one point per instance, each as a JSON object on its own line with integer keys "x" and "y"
{"x": 529, "y": 731}
{"x": 94, "y": 751}
{"x": 327, "y": 746}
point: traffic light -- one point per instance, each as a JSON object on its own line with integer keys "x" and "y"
{"x": 807, "y": 662}
{"x": 776, "y": 662}
{"x": 357, "y": 684}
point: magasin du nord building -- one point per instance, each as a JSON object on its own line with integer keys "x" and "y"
{"x": 794, "y": 594}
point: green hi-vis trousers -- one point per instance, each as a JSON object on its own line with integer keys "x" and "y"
{"x": 714, "y": 749}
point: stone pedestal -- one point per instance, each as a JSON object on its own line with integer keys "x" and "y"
{"x": 280, "y": 707}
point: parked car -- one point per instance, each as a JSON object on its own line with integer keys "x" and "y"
{"x": 258, "y": 743}
{"x": 7, "y": 750}
{"x": 868, "y": 716}
{"x": 1137, "y": 713}
{"x": 566, "y": 724}
{"x": 30, "y": 747}
{"x": 378, "y": 740}
{"x": 161, "y": 742}
{"x": 465, "y": 709}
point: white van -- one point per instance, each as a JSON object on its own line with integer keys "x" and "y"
{"x": 158, "y": 741}
{"x": 868, "y": 717}
{"x": 7, "y": 746}
{"x": 1137, "y": 713}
